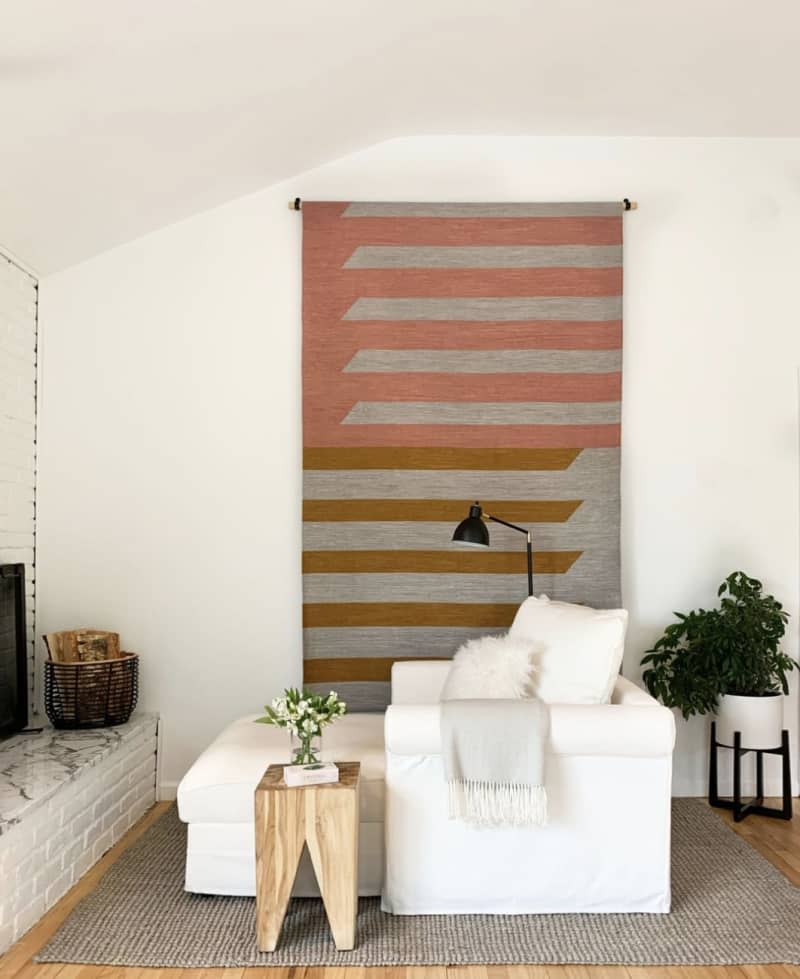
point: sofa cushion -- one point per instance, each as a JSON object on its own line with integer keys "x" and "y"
{"x": 219, "y": 786}
{"x": 580, "y": 649}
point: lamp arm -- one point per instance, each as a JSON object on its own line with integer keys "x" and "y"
{"x": 527, "y": 533}
{"x": 505, "y": 523}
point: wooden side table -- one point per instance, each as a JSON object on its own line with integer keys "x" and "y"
{"x": 325, "y": 817}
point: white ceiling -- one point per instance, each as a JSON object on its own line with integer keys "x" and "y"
{"x": 117, "y": 118}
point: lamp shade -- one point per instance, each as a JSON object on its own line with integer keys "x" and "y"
{"x": 472, "y": 530}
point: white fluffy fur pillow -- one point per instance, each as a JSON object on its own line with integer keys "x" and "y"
{"x": 492, "y": 667}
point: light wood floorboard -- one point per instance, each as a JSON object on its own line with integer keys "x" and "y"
{"x": 777, "y": 840}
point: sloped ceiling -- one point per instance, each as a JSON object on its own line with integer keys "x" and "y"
{"x": 117, "y": 118}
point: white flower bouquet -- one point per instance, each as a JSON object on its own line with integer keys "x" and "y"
{"x": 304, "y": 715}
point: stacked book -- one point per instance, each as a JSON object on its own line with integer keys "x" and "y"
{"x": 317, "y": 774}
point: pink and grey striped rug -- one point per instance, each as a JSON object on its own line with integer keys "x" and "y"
{"x": 451, "y": 353}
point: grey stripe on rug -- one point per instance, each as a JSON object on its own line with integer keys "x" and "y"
{"x": 730, "y": 906}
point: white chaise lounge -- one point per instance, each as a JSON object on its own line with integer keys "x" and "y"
{"x": 216, "y": 799}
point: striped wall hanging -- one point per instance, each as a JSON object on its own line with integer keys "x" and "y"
{"x": 452, "y": 353}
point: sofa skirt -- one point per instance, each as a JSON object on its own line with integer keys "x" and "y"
{"x": 220, "y": 859}
{"x": 605, "y": 848}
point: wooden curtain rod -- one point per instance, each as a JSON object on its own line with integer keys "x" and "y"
{"x": 628, "y": 205}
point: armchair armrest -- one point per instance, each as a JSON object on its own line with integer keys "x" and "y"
{"x": 628, "y": 693}
{"x": 630, "y": 730}
{"x": 412, "y": 729}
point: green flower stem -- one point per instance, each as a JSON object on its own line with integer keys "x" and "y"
{"x": 305, "y": 755}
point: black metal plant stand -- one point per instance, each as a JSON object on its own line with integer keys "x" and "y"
{"x": 756, "y": 805}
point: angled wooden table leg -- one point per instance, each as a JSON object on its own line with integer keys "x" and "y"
{"x": 332, "y": 838}
{"x": 280, "y": 834}
{"x": 325, "y": 817}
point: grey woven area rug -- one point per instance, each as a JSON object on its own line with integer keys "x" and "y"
{"x": 730, "y": 906}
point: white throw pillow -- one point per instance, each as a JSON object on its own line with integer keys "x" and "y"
{"x": 492, "y": 667}
{"x": 581, "y": 649}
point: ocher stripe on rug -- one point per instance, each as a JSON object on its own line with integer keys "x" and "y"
{"x": 517, "y": 511}
{"x": 356, "y": 668}
{"x": 432, "y": 562}
{"x": 351, "y": 614}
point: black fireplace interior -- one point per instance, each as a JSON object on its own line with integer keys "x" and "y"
{"x": 13, "y": 658}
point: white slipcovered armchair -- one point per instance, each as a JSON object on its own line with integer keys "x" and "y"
{"x": 606, "y": 847}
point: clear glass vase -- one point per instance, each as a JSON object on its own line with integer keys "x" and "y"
{"x": 305, "y": 750}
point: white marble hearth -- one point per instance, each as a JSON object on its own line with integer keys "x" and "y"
{"x": 65, "y": 798}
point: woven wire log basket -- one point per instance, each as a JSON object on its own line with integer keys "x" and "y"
{"x": 95, "y": 694}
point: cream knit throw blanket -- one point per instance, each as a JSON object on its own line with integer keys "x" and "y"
{"x": 493, "y": 754}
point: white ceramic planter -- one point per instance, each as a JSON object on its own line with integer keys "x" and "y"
{"x": 760, "y": 720}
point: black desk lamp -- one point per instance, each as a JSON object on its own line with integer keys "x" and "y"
{"x": 473, "y": 532}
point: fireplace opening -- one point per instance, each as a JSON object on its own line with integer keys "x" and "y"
{"x": 13, "y": 657}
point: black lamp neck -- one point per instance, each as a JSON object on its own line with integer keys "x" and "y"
{"x": 505, "y": 523}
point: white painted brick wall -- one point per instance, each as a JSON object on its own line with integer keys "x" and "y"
{"x": 47, "y": 852}
{"x": 18, "y": 341}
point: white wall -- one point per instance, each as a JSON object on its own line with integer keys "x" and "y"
{"x": 170, "y": 424}
{"x": 18, "y": 297}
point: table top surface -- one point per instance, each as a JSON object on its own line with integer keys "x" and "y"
{"x": 272, "y": 779}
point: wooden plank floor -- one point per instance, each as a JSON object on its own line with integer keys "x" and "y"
{"x": 777, "y": 840}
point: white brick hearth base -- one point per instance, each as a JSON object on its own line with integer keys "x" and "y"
{"x": 66, "y": 797}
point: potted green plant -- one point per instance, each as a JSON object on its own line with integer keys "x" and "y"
{"x": 726, "y": 661}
